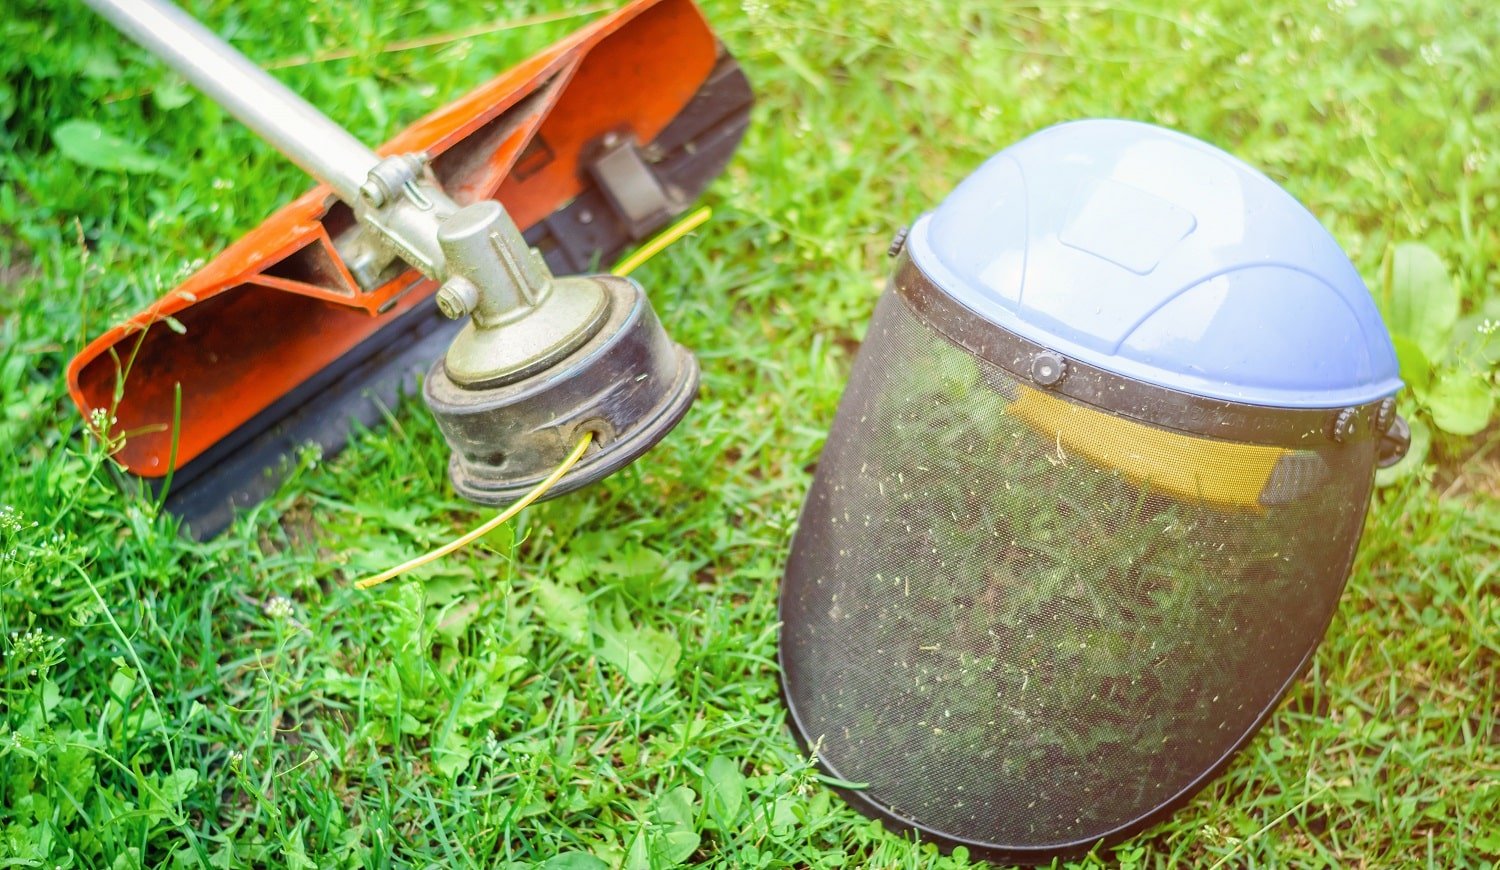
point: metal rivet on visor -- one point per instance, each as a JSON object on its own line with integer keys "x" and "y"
{"x": 1048, "y": 368}
{"x": 1344, "y": 425}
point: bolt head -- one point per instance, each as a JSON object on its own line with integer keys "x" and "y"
{"x": 373, "y": 193}
{"x": 1048, "y": 368}
{"x": 457, "y": 297}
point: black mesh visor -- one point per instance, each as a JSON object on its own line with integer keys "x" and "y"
{"x": 1028, "y": 624}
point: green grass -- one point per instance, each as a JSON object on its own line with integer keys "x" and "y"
{"x": 237, "y": 703}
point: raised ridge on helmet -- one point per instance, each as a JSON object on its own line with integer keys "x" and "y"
{"x": 1164, "y": 259}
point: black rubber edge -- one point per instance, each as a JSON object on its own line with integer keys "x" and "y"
{"x": 248, "y": 465}
{"x": 1297, "y": 428}
{"x": 358, "y": 389}
{"x": 1033, "y": 855}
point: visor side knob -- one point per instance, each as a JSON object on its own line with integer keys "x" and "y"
{"x": 1048, "y": 368}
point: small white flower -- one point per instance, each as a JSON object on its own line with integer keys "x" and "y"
{"x": 34, "y": 652}
{"x": 1431, "y": 53}
{"x": 279, "y": 608}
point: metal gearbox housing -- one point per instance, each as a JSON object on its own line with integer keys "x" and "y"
{"x": 628, "y": 385}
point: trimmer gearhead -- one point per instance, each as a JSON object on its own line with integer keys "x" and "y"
{"x": 542, "y": 361}
{"x": 627, "y": 384}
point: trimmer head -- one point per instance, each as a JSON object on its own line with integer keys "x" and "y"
{"x": 296, "y": 331}
{"x": 627, "y": 385}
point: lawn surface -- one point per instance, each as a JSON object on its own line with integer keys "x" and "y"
{"x": 238, "y": 703}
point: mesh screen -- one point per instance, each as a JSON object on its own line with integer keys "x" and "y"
{"x": 1013, "y": 641}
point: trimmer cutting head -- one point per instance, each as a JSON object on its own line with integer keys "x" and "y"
{"x": 627, "y": 385}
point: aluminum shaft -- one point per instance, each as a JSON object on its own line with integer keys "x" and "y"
{"x": 322, "y": 148}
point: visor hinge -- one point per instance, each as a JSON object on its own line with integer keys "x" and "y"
{"x": 1395, "y": 435}
{"x": 898, "y": 241}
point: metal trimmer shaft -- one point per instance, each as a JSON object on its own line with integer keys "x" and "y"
{"x": 305, "y": 135}
{"x": 396, "y": 199}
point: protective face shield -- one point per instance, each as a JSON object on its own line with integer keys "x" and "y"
{"x": 1091, "y": 495}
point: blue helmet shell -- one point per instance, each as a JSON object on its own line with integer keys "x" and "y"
{"x": 1153, "y": 255}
